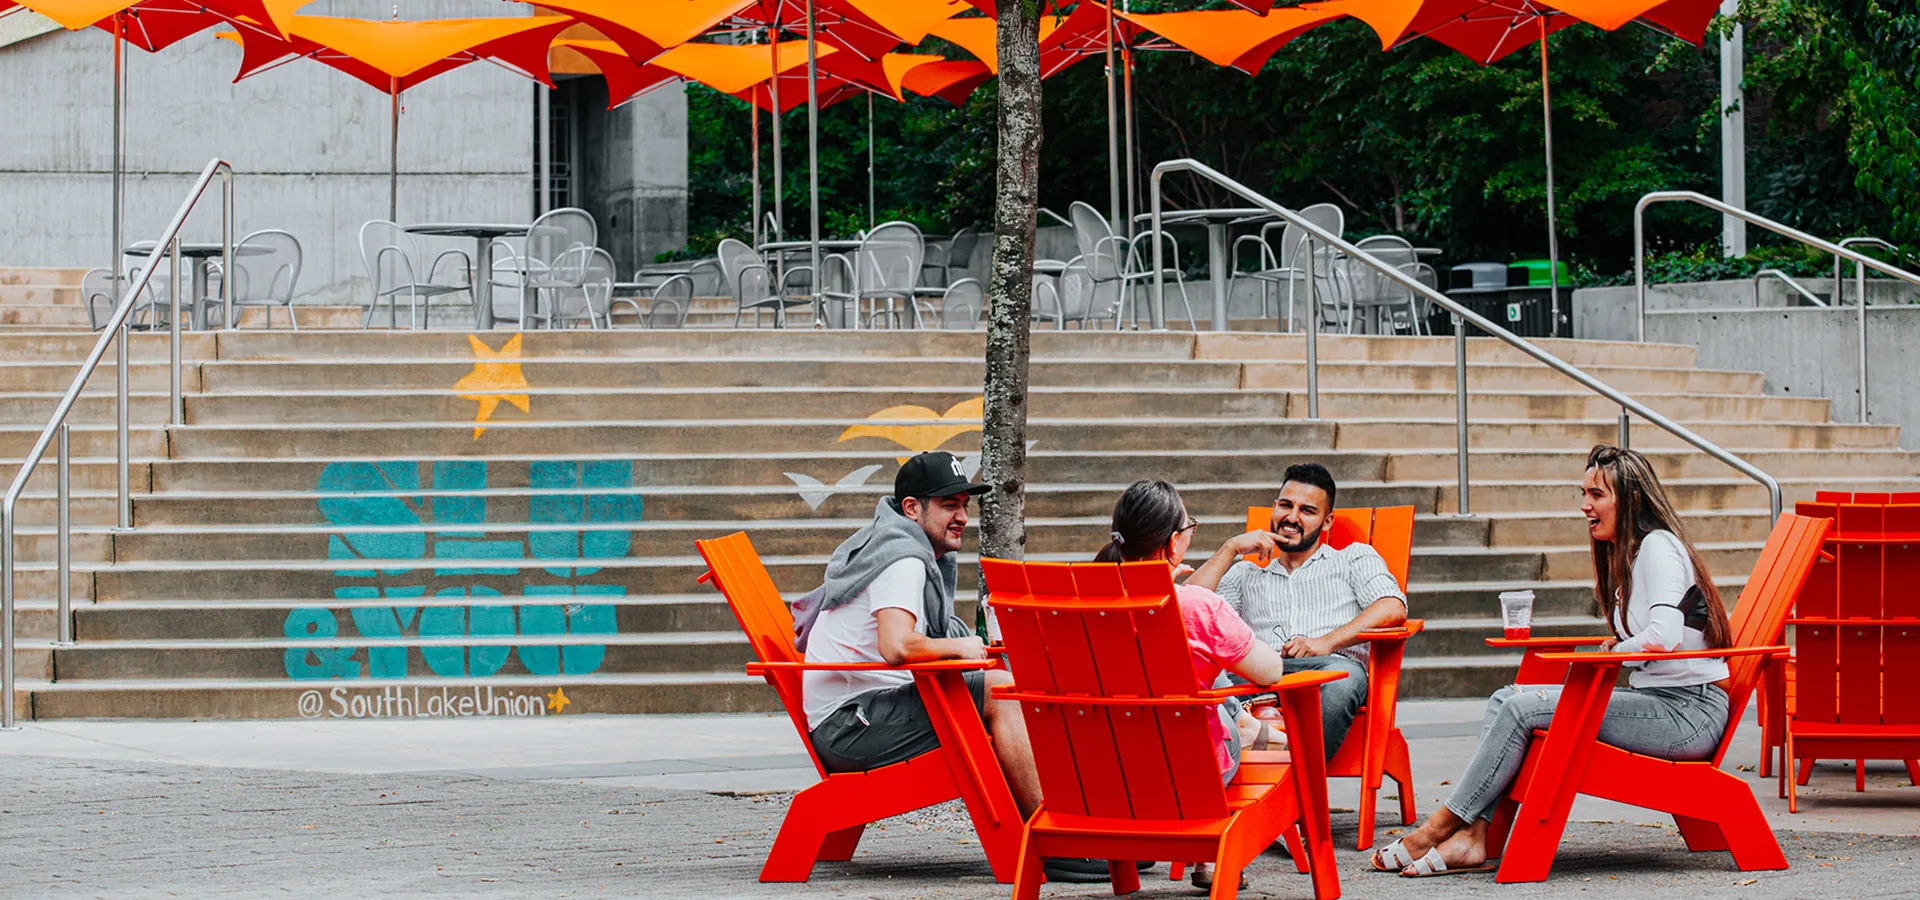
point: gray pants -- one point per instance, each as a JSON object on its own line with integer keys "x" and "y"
{"x": 1677, "y": 723}
{"x": 1340, "y": 700}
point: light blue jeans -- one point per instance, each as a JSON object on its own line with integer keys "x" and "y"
{"x": 1677, "y": 723}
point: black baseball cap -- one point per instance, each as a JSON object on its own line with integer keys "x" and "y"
{"x": 935, "y": 473}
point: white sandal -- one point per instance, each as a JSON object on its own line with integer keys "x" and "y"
{"x": 1431, "y": 865}
{"x": 1395, "y": 856}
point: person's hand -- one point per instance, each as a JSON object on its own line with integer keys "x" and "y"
{"x": 1182, "y": 570}
{"x": 1607, "y": 644}
{"x": 1306, "y": 646}
{"x": 969, "y": 647}
{"x": 1260, "y": 542}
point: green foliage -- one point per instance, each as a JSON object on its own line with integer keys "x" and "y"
{"x": 1704, "y": 262}
{"x": 1849, "y": 71}
{"x": 1418, "y": 141}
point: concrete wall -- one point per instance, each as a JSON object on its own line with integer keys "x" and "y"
{"x": 1810, "y": 352}
{"x": 1612, "y": 313}
{"x": 309, "y": 144}
{"x": 1804, "y": 351}
{"x": 633, "y": 176}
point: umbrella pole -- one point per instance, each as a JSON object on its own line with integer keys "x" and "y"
{"x": 122, "y": 466}
{"x": 543, "y": 114}
{"x": 754, "y": 111}
{"x": 119, "y": 147}
{"x": 813, "y": 152}
{"x": 779, "y": 172}
{"x": 1113, "y": 135}
{"x": 1553, "y": 232}
{"x": 872, "y": 205}
{"x": 1133, "y": 181}
{"x": 393, "y": 151}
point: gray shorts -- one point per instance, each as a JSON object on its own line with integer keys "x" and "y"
{"x": 883, "y": 727}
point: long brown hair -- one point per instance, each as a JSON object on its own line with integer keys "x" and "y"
{"x": 1145, "y": 519}
{"x": 1640, "y": 507}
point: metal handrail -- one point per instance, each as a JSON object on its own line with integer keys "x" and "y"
{"x": 1810, "y": 296}
{"x": 1461, "y": 316}
{"x": 1867, "y": 240}
{"x": 57, "y": 430}
{"x": 1860, "y": 262}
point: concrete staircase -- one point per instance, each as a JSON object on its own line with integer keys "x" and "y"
{"x": 371, "y": 523}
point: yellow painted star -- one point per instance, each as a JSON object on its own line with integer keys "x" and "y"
{"x": 557, "y": 700}
{"x": 495, "y": 377}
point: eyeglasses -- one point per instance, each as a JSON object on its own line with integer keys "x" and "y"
{"x": 1191, "y": 525}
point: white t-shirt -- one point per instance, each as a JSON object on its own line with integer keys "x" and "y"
{"x": 851, "y": 633}
{"x": 1662, "y": 573}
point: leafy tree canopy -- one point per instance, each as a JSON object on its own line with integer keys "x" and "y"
{"x": 1418, "y": 141}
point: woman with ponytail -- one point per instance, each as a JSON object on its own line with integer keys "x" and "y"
{"x": 1656, "y": 595}
{"x": 1151, "y": 522}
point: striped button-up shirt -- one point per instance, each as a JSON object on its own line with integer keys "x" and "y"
{"x": 1327, "y": 591}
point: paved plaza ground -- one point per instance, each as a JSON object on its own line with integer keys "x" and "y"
{"x": 685, "y": 806}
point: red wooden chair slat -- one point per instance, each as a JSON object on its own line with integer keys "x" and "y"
{"x": 1161, "y": 796}
{"x": 825, "y": 821}
{"x": 1381, "y": 748}
{"x": 1715, "y": 810}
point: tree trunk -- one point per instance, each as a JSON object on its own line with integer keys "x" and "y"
{"x": 1003, "y": 441}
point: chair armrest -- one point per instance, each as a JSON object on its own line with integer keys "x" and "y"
{"x": 466, "y": 263}
{"x": 932, "y": 665}
{"x": 1295, "y": 681}
{"x": 1535, "y": 643}
{"x": 1610, "y": 658}
{"x": 1398, "y": 633}
{"x": 791, "y": 271}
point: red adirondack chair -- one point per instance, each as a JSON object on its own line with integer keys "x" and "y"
{"x": 1715, "y": 810}
{"x": 825, "y": 821}
{"x": 1126, "y": 761}
{"x": 1857, "y": 644}
{"x": 1381, "y": 750}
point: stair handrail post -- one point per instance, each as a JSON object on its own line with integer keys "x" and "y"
{"x": 1159, "y": 310}
{"x": 63, "y": 637}
{"x": 1861, "y": 263}
{"x": 1469, "y": 317}
{"x": 115, "y": 333}
{"x": 1313, "y": 334}
{"x": 1460, "y": 437}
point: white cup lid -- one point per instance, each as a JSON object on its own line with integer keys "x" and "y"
{"x": 1517, "y": 595}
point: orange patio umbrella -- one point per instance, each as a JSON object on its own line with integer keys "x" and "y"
{"x": 641, "y": 29}
{"x": 843, "y": 76}
{"x": 1488, "y": 30}
{"x": 952, "y": 80}
{"x": 727, "y": 68}
{"x": 1230, "y": 38}
{"x": 867, "y": 28}
{"x": 393, "y": 55}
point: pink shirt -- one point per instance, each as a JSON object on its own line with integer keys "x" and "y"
{"x": 1219, "y": 639}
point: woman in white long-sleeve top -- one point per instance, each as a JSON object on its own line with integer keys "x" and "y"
{"x": 1656, "y": 595}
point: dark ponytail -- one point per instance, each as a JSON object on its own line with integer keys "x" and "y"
{"x": 1144, "y": 520}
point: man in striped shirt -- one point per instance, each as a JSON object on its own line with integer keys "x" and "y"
{"x": 1312, "y": 601}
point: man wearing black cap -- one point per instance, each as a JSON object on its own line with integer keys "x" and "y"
{"x": 889, "y": 597}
